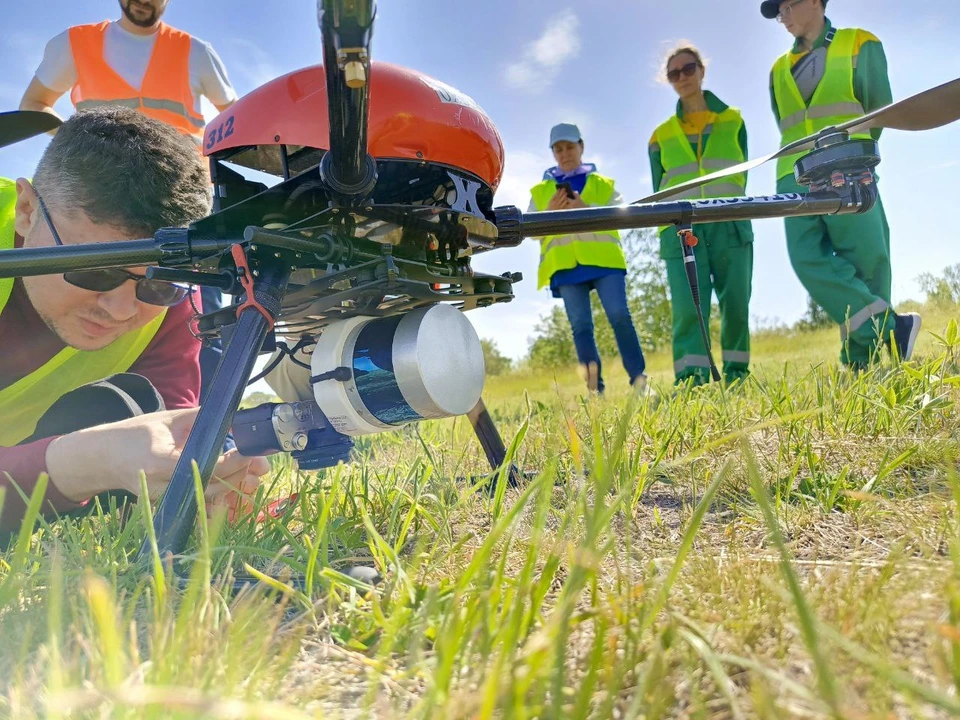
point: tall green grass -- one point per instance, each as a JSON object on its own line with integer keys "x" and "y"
{"x": 786, "y": 548}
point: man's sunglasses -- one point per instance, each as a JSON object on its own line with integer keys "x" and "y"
{"x": 152, "y": 292}
{"x": 687, "y": 71}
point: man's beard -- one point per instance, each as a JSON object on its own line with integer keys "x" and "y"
{"x": 149, "y": 21}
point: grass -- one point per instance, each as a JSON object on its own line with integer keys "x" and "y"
{"x": 790, "y": 548}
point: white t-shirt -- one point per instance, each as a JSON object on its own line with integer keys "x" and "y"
{"x": 128, "y": 55}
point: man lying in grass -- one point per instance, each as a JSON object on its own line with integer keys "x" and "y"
{"x": 100, "y": 375}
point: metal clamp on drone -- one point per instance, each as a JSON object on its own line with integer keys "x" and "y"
{"x": 362, "y": 249}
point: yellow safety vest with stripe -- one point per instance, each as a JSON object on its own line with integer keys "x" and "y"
{"x": 832, "y": 102}
{"x": 722, "y": 150}
{"x": 23, "y": 403}
{"x": 564, "y": 252}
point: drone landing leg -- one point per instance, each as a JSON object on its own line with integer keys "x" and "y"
{"x": 177, "y": 513}
{"x": 491, "y": 442}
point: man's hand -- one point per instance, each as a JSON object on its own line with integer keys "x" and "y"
{"x": 237, "y": 490}
{"x": 111, "y": 457}
{"x": 561, "y": 201}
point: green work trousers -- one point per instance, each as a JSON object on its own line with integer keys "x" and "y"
{"x": 724, "y": 254}
{"x": 843, "y": 261}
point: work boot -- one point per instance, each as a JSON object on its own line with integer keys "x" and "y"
{"x": 905, "y": 332}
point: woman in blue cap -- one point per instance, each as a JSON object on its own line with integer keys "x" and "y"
{"x": 574, "y": 264}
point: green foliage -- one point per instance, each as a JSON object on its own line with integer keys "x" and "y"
{"x": 552, "y": 346}
{"x": 815, "y": 318}
{"x": 258, "y": 398}
{"x": 495, "y": 362}
{"x": 648, "y": 298}
{"x": 944, "y": 291}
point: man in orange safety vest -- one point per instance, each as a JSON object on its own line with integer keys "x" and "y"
{"x": 142, "y": 63}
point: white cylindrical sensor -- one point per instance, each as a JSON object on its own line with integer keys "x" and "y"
{"x": 427, "y": 363}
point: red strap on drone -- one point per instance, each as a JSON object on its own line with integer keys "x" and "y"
{"x": 246, "y": 279}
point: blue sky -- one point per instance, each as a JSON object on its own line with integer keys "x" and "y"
{"x": 531, "y": 64}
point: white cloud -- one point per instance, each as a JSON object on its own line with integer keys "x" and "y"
{"x": 522, "y": 170}
{"x": 253, "y": 65}
{"x": 559, "y": 42}
{"x": 542, "y": 59}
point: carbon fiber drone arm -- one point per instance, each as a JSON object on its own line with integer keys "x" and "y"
{"x": 687, "y": 212}
{"x": 347, "y": 26}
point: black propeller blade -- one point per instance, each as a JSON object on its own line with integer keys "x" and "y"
{"x": 926, "y": 110}
{"x": 19, "y": 125}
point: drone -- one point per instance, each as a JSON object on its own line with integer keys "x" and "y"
{"x": 362, "y": 250}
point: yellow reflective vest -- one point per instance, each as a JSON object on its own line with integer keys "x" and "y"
{"x": 723, "y": 150}
{"x": 23, "y": 403}
{"x": 564, "y": 252}
{"x": 832, "y": 102}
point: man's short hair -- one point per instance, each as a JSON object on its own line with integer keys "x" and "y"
{"x": 126, "y": 170}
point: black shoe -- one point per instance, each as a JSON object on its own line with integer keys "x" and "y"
{"x": 905, "y": 332}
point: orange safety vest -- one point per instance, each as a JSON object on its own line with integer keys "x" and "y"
{"x": 165, "y": 92}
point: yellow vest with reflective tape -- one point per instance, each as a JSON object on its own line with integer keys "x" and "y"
{"x": 24, "y": 403}
{"x": 564, "y": 252}
{"x": 833, "y": 102}
{"x": 722, "y": 151}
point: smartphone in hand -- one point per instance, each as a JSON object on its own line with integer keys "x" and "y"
{"x": 566, "y": 186}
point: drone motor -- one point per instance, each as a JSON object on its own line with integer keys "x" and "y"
{"x": 836, "y": 156}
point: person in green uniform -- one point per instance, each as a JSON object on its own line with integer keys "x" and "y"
{"x": 704, "y": 135}
{"x": 831, "y": 75}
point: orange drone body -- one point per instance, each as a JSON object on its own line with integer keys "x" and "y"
{"x": 412, "y": 116}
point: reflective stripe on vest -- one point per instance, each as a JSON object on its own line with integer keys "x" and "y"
{"x": 164, "y": 93}
{"x": 833, "y": 101}
{"x": 24, "y": 402}
{"x": 564, "y": 252}
{"x": 722, "y": 150}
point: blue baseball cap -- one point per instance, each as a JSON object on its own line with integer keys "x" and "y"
{"x": 564, "y": 131}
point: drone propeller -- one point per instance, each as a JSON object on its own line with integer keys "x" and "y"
{"x": 18, "y": 125}
{"x": 927, "y": 110}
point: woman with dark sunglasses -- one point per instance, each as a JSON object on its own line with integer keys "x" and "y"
{"x": 702, "y": 136}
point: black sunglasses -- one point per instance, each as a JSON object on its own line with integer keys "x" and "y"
{"x": 152, "y": 292}
{"x": 687, "y": 70}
